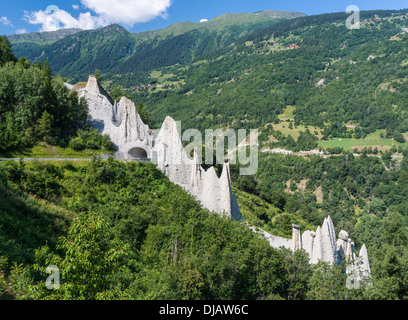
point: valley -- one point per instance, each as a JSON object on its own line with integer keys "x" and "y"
{"x": 331, "y": 108}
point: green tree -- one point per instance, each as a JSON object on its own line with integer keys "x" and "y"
{"x": 6, "y": 52}
{"x": 394, "y": 229}
{"x": 91, "y": 255}
{"x": 389, "y": 274}
{"x": 44, "y": 127}
{"x": 328, "y": 282}
{"x": 92, "y": 139}
{"x": 399, "y": 137}
{"x": 377, "y": 207}
{"x": 306, "y": 141}
{"x": 144, "y": 114}
{"x": 290, "y": 142}
{"x": 117, "y": 92}
{"x": 98, "y": 75}
{"x": 298, "y": 271}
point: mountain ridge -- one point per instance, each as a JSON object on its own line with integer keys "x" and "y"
{"x": 253, "y": 81}
{"x": 43, "y": 37}
{"x": 79, "y": 53}
{"x": 59, "y": 34}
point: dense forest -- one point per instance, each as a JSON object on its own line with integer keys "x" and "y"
{"x": 246, "y": 75}
{"x": 123, "y": 231}
{"x": 35, "y": 106}
{"x": 362, "y": 75}
{"x": 114, "y": 50}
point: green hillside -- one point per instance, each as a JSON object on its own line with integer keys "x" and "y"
{"x": 116, "y": 51}
{"x": 123, "y": 231}
{"x": 232, "y": 71}
{"x": 42, "y": 37}
{"x": 126, "y": 233}
{"x": 251, "y": 83}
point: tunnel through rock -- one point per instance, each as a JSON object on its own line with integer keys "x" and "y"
{"x": 138, "y": 153}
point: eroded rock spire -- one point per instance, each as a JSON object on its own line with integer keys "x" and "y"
{"x": 135, "y": 140}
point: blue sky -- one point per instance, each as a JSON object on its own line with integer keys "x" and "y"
{"x": 141, "y": 15}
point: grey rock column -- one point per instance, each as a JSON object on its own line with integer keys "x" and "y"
{"x": 296, "y": 238}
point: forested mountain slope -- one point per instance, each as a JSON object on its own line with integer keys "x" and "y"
{"x": 329, "y": 75}
{"x": 42, "y": 37}
{"x": 126, "y": 233}
{"x": 116, "y": 51}
{"x": 226, "y": 73}
{"x": 139, "y": 230}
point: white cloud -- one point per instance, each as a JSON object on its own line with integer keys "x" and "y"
{"x": 75, "y": 6}
{"x": 6, "y": 21}
{"x": 62, "y": 19}
{"x": 21, "y": 31}
{"x": 203, "y": 20}
{"x": 127, "y": 12}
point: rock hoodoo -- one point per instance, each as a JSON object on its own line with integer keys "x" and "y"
{"x": 136, "y": 141}
{"x": 322, "y": 246}
{"x": 119, "y": 120}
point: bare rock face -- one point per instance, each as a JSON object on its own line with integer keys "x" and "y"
{"x": 343, "y": 235}
{"x": 274, "y": 241}
{"x": 317, "y": 247}
{"x": 329, "y": 241}
{"x": 322, "y": 246}
{"x": 171, "y": 157}
{"x": 345, "y": 250}
{"x": 119, "y": 120}
{"x": 214, "y": 193}
{"x": 363, "y": 265}
{"x": 134, "y": 140}
{"x": 99, "y": 104}
{"x": 296, "y": 238}
{"x": 308, "y": 238}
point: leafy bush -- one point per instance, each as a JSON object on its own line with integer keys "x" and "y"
{"x": 43, "y": 181}
{"x": 91, "y": 139}
{"x": 3, "y": 178}
{"x": 35, "y": 107}
{"x": 131, "y": 228}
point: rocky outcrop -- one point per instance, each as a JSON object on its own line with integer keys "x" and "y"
{"x": 362, "y": 265}
{"x": 212, "y": 192}
{"x": 120, "y": 120}
{"x": 274, "y": 241}
{"x": 296, "y": 238}
{"x": 322, "y": 246}
{"x": 135, "y": 140}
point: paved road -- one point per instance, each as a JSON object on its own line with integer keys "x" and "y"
{"x": 103, "y": 157}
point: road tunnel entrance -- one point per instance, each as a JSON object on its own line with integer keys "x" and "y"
{"x": 138, "y": 154}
